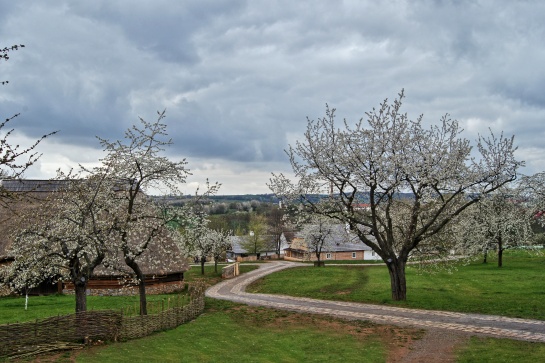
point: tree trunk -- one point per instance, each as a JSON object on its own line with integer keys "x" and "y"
{"x": 485, "y": 255}
{"x": 500, "y": 252}
{"x": 141, "y": 285}
{"x": 318, "y": 262}
{"x": 215, "y": 265}
{"x": 81, "y": 307}
{"x": 278, "y": 243}
{"x": 396, "y": 268}
{"x": 81, "y": 295}
{"x": 203, "y": 260}
{"x": 142, "y": 291}
{"x": 500, "y": 257}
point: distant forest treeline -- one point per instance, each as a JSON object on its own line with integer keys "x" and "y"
{"x": 234, "y": 212}
{"x": 262, "y": 198}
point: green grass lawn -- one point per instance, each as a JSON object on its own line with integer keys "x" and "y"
{"x": 490, "y": 350}
{"x": 515, "y": 290}
{"x": 349, "y": 262}
{"x": 229, "y": 332}
{"x": 12, "y": 309}
{"x": 354, "y": 262}
{"x": 226, "y": 332}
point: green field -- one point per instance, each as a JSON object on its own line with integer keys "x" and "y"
{"x": 515, "y": 290}
{"x": 348, "y": 262}
{"x": 230, "y": 332}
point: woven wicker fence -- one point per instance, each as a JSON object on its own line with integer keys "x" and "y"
{"x": 106, "y": 325}
{"x": 141, "y": 325}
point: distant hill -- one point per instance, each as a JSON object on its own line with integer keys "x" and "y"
{"x": 264, "y": 198}
{"x": 267, "y": 198}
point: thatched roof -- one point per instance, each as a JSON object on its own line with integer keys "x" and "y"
{"x": 160, "y": 258}
{"x": 32, "y": 185}
{"x": 26, "y": 192}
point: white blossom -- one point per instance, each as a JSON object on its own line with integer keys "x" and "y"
{"x": 373, "y": 162}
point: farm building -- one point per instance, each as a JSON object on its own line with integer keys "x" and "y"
{"x": 237, "y": 252}
{"x": 105, "y": 281}
{"x": 338, "y": 246}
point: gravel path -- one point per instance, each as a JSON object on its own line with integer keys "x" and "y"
{"x": 458, "y": 323}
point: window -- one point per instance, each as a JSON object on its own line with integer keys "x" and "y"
{"x": 353, "y": 254}
{"x": 373, "y": 253}
{"x": 328, "y": 256}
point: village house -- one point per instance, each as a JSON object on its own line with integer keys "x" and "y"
{"x": 339, "y": 246}
{"x": 166, "y": 277}
{"x": 238, "y": 253}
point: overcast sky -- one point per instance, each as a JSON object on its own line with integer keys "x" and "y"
{"x": 239, "y": 78}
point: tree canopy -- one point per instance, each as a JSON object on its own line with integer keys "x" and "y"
{"x": 383, "y": 156}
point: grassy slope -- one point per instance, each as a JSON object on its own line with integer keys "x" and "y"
{"x": 515, "y": 290}
{"x": 232, "y": 333}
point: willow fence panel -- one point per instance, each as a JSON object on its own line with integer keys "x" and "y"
{"x": 142, "y": 325}
{"x": 87, "y": 326}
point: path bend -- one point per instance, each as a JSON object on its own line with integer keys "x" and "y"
{"x": 487, "y": 325}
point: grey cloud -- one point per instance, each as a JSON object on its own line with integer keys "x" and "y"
{"x": 239, "y": 78}
{"x": 162, "y": 28}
